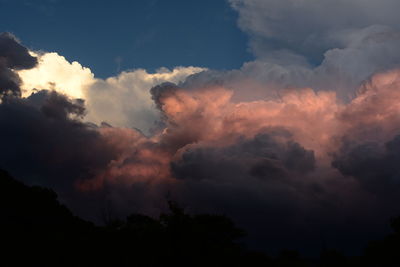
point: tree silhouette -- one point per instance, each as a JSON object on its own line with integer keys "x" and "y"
{"x": 36, "y": 230}
{"x": 385, "y": 252}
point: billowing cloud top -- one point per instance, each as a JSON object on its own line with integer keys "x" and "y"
{"x": 293, "y": 145}
{"x": 310, "y": 27}
{"x": 107, "y": 100}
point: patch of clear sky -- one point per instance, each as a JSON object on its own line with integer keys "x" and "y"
{"x": 110, "y": 36}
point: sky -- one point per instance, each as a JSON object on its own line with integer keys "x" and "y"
{"x": 282, "y": 115}
{"x": 109, "y": 38}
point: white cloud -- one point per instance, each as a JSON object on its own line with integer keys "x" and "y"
{"x": 123, "y": 101}
{"x": 55, "y": 72}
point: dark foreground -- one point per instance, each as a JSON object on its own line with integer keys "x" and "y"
{"x": 36, "y": 230}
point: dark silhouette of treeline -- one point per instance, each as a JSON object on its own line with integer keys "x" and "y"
{"x": 36, "y": 230}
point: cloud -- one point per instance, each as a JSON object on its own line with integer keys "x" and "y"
{"x": 262, "y": 157}
{"x": 309, "y": 27}
{"x": 123, "y": 101}
{"x": 216, "y": 151}
{"x": 295, "y": 161}
{"x": 370, "y": 144}
{"x": 293, "y": 145}
{"x": 13, "y": 56}
{"x": 321, "y": 45}
{"x": 342, "y": 69}
{"x": 56, "y": 73}
{"x": 43, "y": 133}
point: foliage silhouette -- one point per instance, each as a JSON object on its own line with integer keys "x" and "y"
{"x": 36, "y": 230}
{"x": 385, "y": 252}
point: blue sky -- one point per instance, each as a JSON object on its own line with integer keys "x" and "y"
{"x": 109, "y": 36}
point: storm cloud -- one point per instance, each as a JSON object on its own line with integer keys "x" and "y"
{"x": 299, "y": 144}
{"x": 13, "y": 56}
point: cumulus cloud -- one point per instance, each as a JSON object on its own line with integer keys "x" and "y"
{"x": 56, "y": 73}
{"x": 262, "y": 157}
{"x": 123, "y": 101}
{"x": 44, "y": 142}
{"x": 13, "y": 56}
{"x": 324, "y": 45}
{"x": 309, "y": 27}
{"x": 342, "y": 69}
{"x": 296, "y": 158}
{"x": 293, "y": 145}
{"x": 218, "y": 151}
{"x": 370, "y": 144}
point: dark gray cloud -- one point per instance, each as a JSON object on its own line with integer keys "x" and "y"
{"x": 13, "y": 56}
{"x": 374, "y": 165}
{"x": 161, "y": 91}
{"x": 270, "y": 186}
{"x": 42, "y": 142}
{"x": 262, "y": 157}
